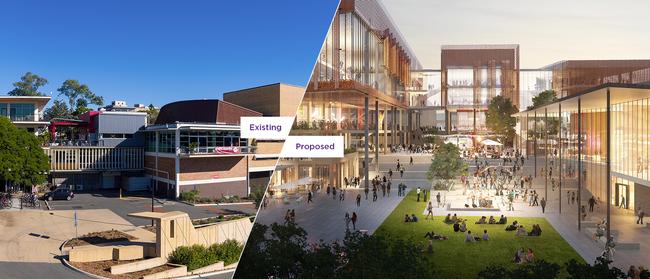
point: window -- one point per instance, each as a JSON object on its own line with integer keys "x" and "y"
{"x": 171, "y": 229}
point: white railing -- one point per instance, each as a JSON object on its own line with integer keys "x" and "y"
{"x": 95, "y": 158}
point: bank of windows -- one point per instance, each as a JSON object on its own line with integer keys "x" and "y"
{"x": 116, "y": 136}
{"x": 17, "y": 111}
{"x": 630, "y": 137}
{"x": 360, "y": 54}
{"x": 201, "y": 141}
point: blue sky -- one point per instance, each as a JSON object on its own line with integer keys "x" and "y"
{"x": 161, "y": 51}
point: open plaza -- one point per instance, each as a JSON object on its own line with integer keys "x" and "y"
{"x": 572, "y": 173}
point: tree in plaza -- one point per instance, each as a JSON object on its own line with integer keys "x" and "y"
{"x": 79, "y": 96}
{"x": 446, "y": 165}
{"x": 499, "y": 118}
{"x": 543, "y": 98}
{"x": 59, "y": 109}
{"x": 22, "y": 160}
{"x": 28, "y": 85}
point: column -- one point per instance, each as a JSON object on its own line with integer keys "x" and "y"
{"x": 385, "y": 121}
{"x": 535, "y": 140}
{"x": 546, "y": 154}
{"x": 579, "y": 163}
{"x": 177, "y": 140}
{"x": 609, "y": 168}
{"x": 377, "y": 135}
{"x": 559, "y": 132}
{"x": 366, "y": 133}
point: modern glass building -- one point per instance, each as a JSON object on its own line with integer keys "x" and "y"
{"x": 471, "y": 76}
{"x": 596, "y": 141}
{"x": 357, "y": 90}
{"x": 25, "y": 111}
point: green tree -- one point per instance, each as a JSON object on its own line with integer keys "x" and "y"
{"x": 28, "y": 85}
{"x": 22, "y": 160}
{"x": 447, "y": 164}
{"x": 152, "y": 114}
{"x": 79, "y": 96}
{"x": 537, "y": 269}
{"x": 600, "y": 270}
{"x": 499, "y": 119}
{"x": 543, "y": 98}
{"x": 59, "y": 109}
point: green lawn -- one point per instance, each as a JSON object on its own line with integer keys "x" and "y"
{"x": 454, "y": 258}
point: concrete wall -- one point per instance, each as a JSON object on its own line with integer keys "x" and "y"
{"x": 217, "y": 190}
{"x": 176, "y": 231}
{"x": 212, "y": 167}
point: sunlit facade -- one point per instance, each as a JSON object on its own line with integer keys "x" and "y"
{"x": 596, "y": 141}
{"x": 357, "y": 90}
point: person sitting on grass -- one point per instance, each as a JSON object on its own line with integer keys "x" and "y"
{"x": 407, "y": 218}
{"x": 448, "y": 219}
{"x": 521, "y": 231}
{"x": 536, "y": 231}
{"x": 481, "y": 221}
{"x": 513, "y": 226}
{"x": 457, "y": 226}
{"x": 433, "y": 236}
{"x": 503, "y": 220}
{"x": 486, "y": 237}
{"x": 520, "y": 256}
{"x": 469, "y": 237}
{"x": 463, "y": 226}
{"x": 454, "y": 218}
{"x": 530, "y": 256}
{"x": 492, "y": 220}
{"x": 414, "y": 218}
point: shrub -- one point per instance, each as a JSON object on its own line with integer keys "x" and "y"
{"x": 227, "y": 251}
{"x": 197, "y": 256}
{"x": 190, "y": 196}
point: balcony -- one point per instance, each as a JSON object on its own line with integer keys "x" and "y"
{"x": 78, "y": 158}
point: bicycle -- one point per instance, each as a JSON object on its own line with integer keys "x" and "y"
{"x": 5, "y": 201}
{"x": 30, "y": 200}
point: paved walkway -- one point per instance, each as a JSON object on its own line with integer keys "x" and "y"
{"x": 324, "y": 218}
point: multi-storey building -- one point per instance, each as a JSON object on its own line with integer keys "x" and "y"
{"x": 25, "y": 111}
{"x": 357, "y": 90}
{"x": 196, "y": 145}
{"x": 100, "y": 150}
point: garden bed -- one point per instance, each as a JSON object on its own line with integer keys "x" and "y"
{"x": 103, "y": 268}
{"x": 94, "y": 238}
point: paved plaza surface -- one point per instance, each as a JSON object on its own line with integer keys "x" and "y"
{"x": 324, "y": 218}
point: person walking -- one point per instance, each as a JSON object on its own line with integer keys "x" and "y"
{"x": 535, "y": 199}
{"x": 573, "y": 197}
{"x": 640, "y": 214}
{"x": 358, "y": 200}
{"x": 309, "y": 197}
{"x": 438, "y": 198}
{"x": 366, "y": 190}
{"x": 347, "y": 221}
{"x": 390, "y": 173}
{"x": 354, "y": 221}
{"x": 591, "y": 202}
{"x": 622, "y": 203}
{"x": 429, "y": 211}
{"x": 388, "y": 184}
{"x": 543, "y": 204}
{"x": 418, "y": 191}
{"x": 411, "y": 161}
{"x": 374, "y": 194}
{"x": 401, "y": 173}
{"x": 568, "y": 197}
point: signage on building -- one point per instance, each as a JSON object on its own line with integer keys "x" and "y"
{"x": 227, "y": 150}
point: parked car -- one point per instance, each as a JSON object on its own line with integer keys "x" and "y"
{"x": 59, "y": 194}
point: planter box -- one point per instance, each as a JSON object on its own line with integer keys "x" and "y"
{"x": 210, "y": 268}
{"x": 178, "y": 271}
{"x": 137, "y": 266}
